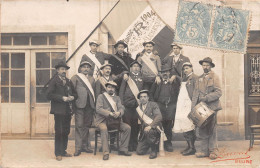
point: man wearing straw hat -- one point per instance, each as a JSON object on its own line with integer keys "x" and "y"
{"x": 150, "y": 117}
{"x": 85, "y": 104}
{"x": 209, "y": 91}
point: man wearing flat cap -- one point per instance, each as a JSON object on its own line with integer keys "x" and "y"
{"x": 151, "y": 65}
{"x": 62, "y": 94}
{"x": 150, "y": 117}
{"x": 121, "y": 62}
{"x": 109, "y": 105}
{"x": 128, "y": 94}
{"x": 105, "y": 77}
{"x": 209, "y": 91}
{"x": 96, "y": 58}
{"x": 175, "y": 60}
{"x": 165, "y": 94}
{"x": 85, "y": 106}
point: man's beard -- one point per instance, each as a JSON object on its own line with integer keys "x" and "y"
{"x": 110, "y": 93}
{"x": 205, "y": 70}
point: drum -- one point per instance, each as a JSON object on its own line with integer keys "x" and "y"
{"x": 201, "y": 114}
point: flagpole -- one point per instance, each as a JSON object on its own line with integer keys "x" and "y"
{"x": 91, "y": 33}
{"x": 84, "y": 41}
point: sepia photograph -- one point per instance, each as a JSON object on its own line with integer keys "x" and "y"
{"x": 130, "y": 83}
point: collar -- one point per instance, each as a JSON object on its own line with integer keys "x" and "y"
{"x": 135, "y": 73}
{"x": 92, "y": 52}
{"x": 107, "y": 78}
{"x": 147, "y": 54}
{"x": 190, "y": 74}
{"x": 120, "y": 54}
{"x": 62, "y": 78}
{"x": 112, "y": 95}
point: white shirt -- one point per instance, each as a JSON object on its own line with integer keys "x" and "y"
{"x": 107, "y": 78}
{"x": 148, "y": 54}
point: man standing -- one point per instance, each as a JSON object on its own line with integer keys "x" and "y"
{"x": 150, "y": 116}
{"x": 128, "y": 94}
{"x": 175, "y": 60}
{"x": 121, "y": 62}
{"x": 209, "y": 92}
{"x": 151, "y": 65}
{"x": 61, "y": 93}
{"x": 103, "y": 79}
{"x": 85, "y": 104}
{"x": 165, "y": 94}
{"x": 109, "y": 105}
{"x": 95, "y": 58}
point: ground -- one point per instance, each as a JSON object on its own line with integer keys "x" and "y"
{"x": 40, "y": 153}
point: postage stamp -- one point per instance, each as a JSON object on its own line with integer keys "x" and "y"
{"x": 193, "y": 23}
{"x": 230, "y": 29}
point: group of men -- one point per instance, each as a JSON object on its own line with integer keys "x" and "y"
{"x": 142, "y": 93}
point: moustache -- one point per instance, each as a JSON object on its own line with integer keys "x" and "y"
{"x": 205, "y": 70}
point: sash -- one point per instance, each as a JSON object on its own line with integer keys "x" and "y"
{"x": 121, "y": 61}
{"x": 150, "y": 64}
{"x": 110, "y": 101}
{"x": 87, "y": 84}
{"x": 97, "y": 66}
{"x": 133, "y": 87}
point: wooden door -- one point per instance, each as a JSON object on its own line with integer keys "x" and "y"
{"x": 42, "y": 69}
{"x": 252, "y": 88}
{"x": 15, "y": 93}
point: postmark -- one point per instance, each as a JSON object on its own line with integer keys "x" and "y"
{"x": 193, "y": 23}
{"x": 230, "y": 29}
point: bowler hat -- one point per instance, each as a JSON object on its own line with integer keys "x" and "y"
{"x": 104, "y": 65}
{"x": 148, "y": 42}
{"x": 186, "y": 64}
{"x": 135, "y": 62}
{"x": 94, "y": 42}
{"x": 165, "y": 68}
{"x": 175, "y": 44}
{"x": 120, "y": 42}
{"x": 62, "y": 64}
{"x": 142, "y": 91}
{"x": 209, "y": 60}
{"x": 112, "y": 83}
{"x": 85, "y": 63}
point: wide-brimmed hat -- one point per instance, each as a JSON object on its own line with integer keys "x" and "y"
{"x": 175, "y": 44}
{"x": 135, "y": 62}
{"x": 104, "y": 65}
{"x": 142, "y": 91}
{"x": 186, "y": 64}
{"x": 85, "y": 63}
{"x": 94, "y": 42}
{"x": 112, "y": 83}
{"x": 148, "y": 42}
{"x": 62, "y": 64}
{"x": 120, "y": 42}
{"x": 165, "y": 68}
{"x": 209, "y": 60}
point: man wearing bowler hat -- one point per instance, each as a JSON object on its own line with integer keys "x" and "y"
{"x": 121, "y": 62}
{"x": 128, "y": 94}
{"x": 165, "y": 94}
{"x": 95, "y": 57}
{"x": 209, "y": 91}
{"x": 62, "y": 94}
{"x": 151, "y": 65}
{"x": 109, "y": 105}
{"x": 85, "y": 104}
{"x": 175, "y": 60}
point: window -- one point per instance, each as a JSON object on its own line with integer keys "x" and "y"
{"x": 13, "y": 77}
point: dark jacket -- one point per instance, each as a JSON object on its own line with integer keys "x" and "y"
{"x": 177, "y": 68}
{"x": 126, "y": 95}
{"x": 210, "y": 88}
{"x": 118, "y": 69}
{"x": 168, "y": 112}
{"x": 83, "y": 94}
{"x": 56, "y": 90}
{"x": 101, "y": 57}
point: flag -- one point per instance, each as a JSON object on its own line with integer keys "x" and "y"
{"x": 135, "y": 22}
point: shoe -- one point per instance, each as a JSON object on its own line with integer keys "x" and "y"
{"x": 113, "y": 148}
{"x": 67, "y": 155}
{"x": 87, "y": 150}
{"x": 106, "y": 157}
{"x": 125, "y": 153}
{"x": 201, "y": 155}
{"x": 192, "y": 149}
{"x": 77, "y": 153}
{"x": 187, "y": 148}
{"x": 153, "y": 155}
{"x": 168, "y": 146}
{"x": 213, "y": 156}
{"x": 58, "y": 158}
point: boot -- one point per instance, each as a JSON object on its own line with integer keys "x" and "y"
{"x": 168, "y": 146}
{"x": 153, "y": 153}
{"x": 192, "y": 149}
{"x": 187, "y": 148}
